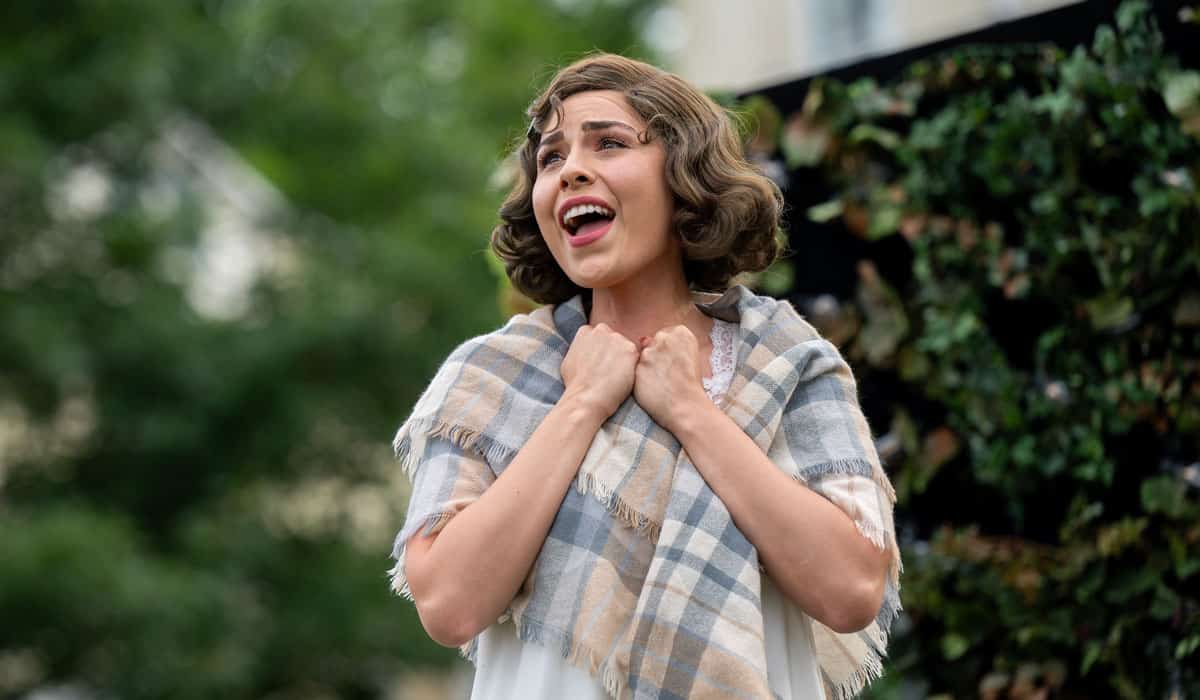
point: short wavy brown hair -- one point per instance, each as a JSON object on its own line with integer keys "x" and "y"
{"x": 727, "y": 213}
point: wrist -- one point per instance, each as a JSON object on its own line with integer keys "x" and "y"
{"x": 694, "y": 417}
{"x": 583, "y": 409}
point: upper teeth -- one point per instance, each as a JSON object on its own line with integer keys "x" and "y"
{"x": 581, "y": 209}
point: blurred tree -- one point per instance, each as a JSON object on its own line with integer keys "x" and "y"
{"x": 236, "y": 238}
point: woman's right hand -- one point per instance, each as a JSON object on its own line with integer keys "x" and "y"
{"x": 599, "y": 368}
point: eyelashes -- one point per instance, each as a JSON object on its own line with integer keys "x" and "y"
{"x": 546, "y": 158}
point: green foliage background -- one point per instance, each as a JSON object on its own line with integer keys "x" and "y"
{"x": 201, "y": 506}
{"x": 1046, "y": 450}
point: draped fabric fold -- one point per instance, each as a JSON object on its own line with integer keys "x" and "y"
{"x": 644, "y": 580}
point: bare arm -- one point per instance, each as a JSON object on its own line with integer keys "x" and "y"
{"x": 463, "y": 577}
{"x": 810, "y": 547}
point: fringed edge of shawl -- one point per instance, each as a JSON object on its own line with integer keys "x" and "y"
{"x": 836, "y": 467}
{"x": 618, "y": 507}
{"x": 399, "y": 580}
{"x": 840, "y": 467}
{"x": 880, "y": 537}
{"x": 466, "y": 438}
{"x": 578, "y": 655}
{"x": 870, "y": 666}
{"x": 494, "y": 452}
{"x": 871, "y": 669}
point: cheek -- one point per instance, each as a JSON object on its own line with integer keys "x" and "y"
{"x": 543, "y": 204}
{"x": 659, "y": 204}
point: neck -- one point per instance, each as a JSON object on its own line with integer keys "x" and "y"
{"x": 644, "y": 306}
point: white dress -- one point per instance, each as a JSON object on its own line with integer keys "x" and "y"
{"x": 508, "y": 668}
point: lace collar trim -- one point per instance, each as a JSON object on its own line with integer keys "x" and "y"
{"x": 723, "y": 336}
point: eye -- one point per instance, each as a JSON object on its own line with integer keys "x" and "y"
{"x": 545, "y": 158}
{"x": 610, "y": 141}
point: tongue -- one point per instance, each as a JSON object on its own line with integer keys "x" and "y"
{"x": 592, "y": 226}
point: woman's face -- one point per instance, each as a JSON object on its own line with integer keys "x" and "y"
{"x": 601, "y": 197}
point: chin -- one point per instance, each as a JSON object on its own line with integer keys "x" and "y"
{"x": 594, "y": 281}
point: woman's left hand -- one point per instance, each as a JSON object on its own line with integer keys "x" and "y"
{"x": 667, "y": 381}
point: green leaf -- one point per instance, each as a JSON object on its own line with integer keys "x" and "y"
{"x": 1164, "y": 494}
{"x": 777, "y": 279}
{"x": 1091, "y": 653}
{"x": 826, "y": 211}
{"x": 884, "y": 221}
{"x": 805, "y": 141}
{"x": 954, "y": 646}
{"x": 869, "y": 132}
{"x": 1181, "y": 92}
{"x": 1109, "y": 311}
{"x": 1165, "y": 603}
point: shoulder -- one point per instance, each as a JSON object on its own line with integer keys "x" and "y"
{"x": 774, "y": 322}
{"x": 522, "y": 332}
{"x": 781, "y": 340}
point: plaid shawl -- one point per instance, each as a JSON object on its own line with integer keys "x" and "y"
{"x": 644, "y": 581}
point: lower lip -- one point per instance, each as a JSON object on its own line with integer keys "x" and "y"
{"x": 577, "y": 241}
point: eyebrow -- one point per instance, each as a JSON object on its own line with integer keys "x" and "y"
{"x": 557, "y": 135}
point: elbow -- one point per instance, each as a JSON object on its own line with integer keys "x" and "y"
{"x": 858, "y": 609}
{"x": 440, "y": 606}
{"x": 447, "y": 623}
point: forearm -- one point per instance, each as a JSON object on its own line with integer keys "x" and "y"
{"x": 810, "y": 547}
{"x": 478, "y": 562}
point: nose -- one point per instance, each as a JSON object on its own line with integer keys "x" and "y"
{"x": 574, "y": 172}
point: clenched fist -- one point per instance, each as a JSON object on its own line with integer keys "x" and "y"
{"x": 668, "y": 382}
{"x": 599, "y": 367}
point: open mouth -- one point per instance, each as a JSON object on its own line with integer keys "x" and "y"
{"x": 585, "y": 219}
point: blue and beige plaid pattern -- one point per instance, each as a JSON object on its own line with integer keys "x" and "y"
{"x": 644, "y": 581}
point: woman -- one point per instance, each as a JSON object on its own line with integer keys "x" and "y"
{"x": 730, "y": 533}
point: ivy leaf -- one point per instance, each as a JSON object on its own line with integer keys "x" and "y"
{"x": 826, "y": 211}
{"x": 869, "y": 132}
{"x": 1109, "y": 312}
{"x": 884, "y": 221}
{"x": 1116, "y": 537}
{"x": 805, "y": 141}
{"x": 954, "y": 645}
{"x": 1164, "y": 494}
{"x": 777, "y": 279}
{"x": 1181, "y": 92}
{"x": 1165, "y": 604}
{"x": 1091, "y": 653}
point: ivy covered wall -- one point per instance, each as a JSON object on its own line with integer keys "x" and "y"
{"x": 1026, "y": 332}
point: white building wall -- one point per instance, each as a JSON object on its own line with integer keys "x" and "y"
{"x": 737, "y": 46}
